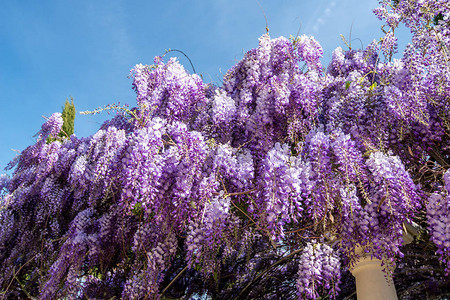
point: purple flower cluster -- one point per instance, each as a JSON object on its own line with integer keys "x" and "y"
{"x": 167, "y": 90}
{"x": 310, "y": 51}
{"x": 394, "y": 185}
{"x": 206, "y": 233}
{"x": 349, "y": 159}
{"x": 392, "y": 18}
{"x": 389, "y": 44}
{"x": 71, "y": 257}
{"x": 223, "y": 110}
{"x": 260, "y": 85}
{"x": 393, "y": 199}
{"x": 438, "y": 217}
{"x": 319, "y": 267}
{"x": 318, "y": 149}
{"x": 285, "y": 186}
{"x": 144, "y": 283}
{"x": 142, "y": 167}
{"x": 236, "y": 167}
{"x": 52, "y": 127}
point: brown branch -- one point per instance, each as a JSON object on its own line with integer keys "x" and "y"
{"x": 280, "y": 261}
{"x": 15, "y": 275}
{"x": 244, "y": 213}
{"x": 438, "y": 158}
{"x": 350, "y": 296}
{"x": 185, "y": 55}
{"x": 173, "y": 280}
{"x": 304, "y": 228}
{"x": 236, "y": 193}
{"x": 311, "y": 237}
{"x": 381, "y": 202}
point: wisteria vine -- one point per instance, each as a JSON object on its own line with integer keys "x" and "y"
{"x": 222, "y": 182}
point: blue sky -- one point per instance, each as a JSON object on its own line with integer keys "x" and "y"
{"x": 50, "y": 50}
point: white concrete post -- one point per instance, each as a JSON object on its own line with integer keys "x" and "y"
{"x": 372, "y": 283}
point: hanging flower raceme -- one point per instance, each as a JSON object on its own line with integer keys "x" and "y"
{"x": 167, "y": 90}
{"x": 52, "y": 127}
{"x": 311, "y": 52}
{"x": 261, "y": 85}
{"x": 206, "y": 233}
{"x": 438, "y": 217}
{"x": 394, "y": 199}
{"x": 142, "y": 167}
{"x": 319, "y": 268}
{"x": 285, "y": 187}
{"x": 319, "y": 153}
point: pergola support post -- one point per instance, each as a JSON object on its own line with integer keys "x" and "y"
{"x": 372, "y": 283}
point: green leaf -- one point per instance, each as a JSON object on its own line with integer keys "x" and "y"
{"x": 137, "y": 209}
{"x": 192, "y": 204}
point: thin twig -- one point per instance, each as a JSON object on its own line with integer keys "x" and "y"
{"x": 349, "y": 296}
{"x": 244, "y": 213}
{"x": 15, "y": 273}
{"x": 262, "y": 9}
{"x": 236, "y": 193}
{"x": 304, "y": 228}
{"x": 176, "y": 50}
{"x": 438, "y": 158}
{"x": 173, "y": 280}
{"x": 280, "y": 261}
